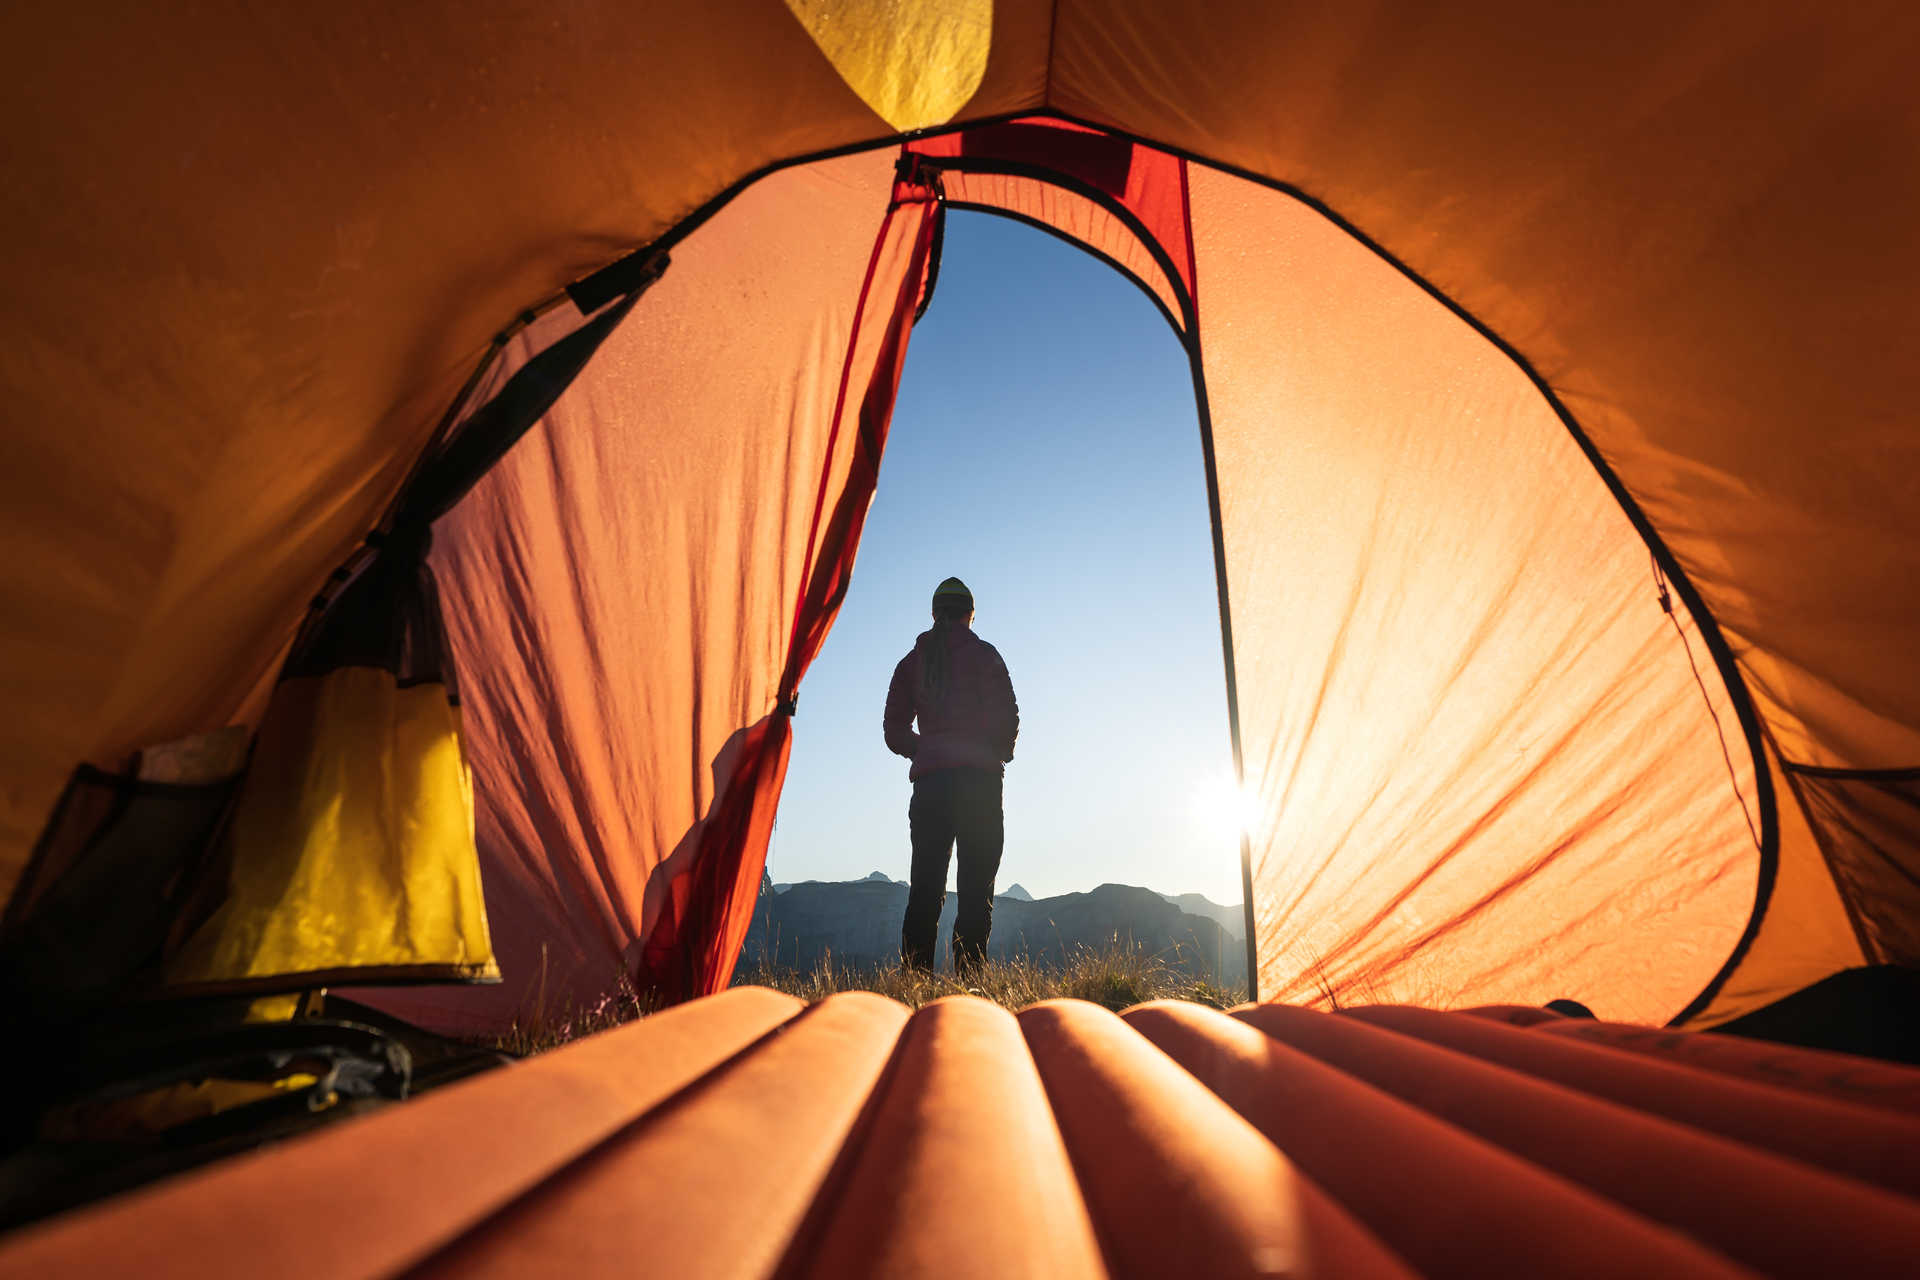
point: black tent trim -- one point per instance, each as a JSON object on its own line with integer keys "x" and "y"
{"x": 495, "y": 427}
{"x": 1203, "y": 407}
{"x": 1909, "y": 774}
{"x": 1800, "y": 780}
{"x": 934, "y": 252}
{"x": 1159, "y": 303}
{"x": 1089, "y": 192}
{"x": 603, "y": 284}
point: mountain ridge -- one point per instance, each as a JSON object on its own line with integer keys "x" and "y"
{"x": 858, "y": 922}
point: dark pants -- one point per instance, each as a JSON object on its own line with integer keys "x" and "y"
{"x": 952, "y": 805}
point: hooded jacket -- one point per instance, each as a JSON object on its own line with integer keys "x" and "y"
{"x": 971, "y": 724}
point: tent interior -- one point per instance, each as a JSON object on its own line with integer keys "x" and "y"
{"x": 1563, "y": 505}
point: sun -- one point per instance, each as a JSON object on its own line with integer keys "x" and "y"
{"x": 1222, "y": 807}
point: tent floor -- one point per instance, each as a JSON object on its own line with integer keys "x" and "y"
{"x": 1873, "y": 1012}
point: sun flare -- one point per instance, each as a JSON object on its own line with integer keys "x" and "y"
{"x": 1223, "y": 807}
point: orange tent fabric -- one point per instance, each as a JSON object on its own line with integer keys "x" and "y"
{"x": 1464, "y": 708}
{"x": 249, "y": 261}
{"x": 1452, "y": 595}
{"x": 635, "y": 587}
{"x": 1459, "y": 695}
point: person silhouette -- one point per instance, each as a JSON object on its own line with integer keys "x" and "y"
{"x": 957, "y": 687}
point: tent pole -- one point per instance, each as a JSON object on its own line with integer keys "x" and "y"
{"x": 1191, "y": 341}
{"x": 1226, "y": 646}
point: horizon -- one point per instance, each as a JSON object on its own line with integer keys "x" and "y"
{"x": 1045, "y": 449}
{"x": 999, "y": 890}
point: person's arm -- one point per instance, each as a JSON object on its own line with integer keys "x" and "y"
{"x": 897, "y": 723}
{"x": 1009, "y": 710}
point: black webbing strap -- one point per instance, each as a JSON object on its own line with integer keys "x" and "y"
{"x": 496, "y": 426}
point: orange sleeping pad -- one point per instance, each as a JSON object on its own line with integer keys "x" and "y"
{"x": 748, "y": 1135}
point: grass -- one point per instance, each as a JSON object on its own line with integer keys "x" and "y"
{"x": 552, "y": 1027}
{"x": 1116, "y": 976}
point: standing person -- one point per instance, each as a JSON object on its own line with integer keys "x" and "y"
{"x": 956, "y": 686}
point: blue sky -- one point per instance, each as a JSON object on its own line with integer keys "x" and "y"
{"x": 1044, "y": 449}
